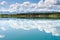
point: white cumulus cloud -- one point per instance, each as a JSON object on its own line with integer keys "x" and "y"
{"x": 51, "y": 2}
{"x": 3, "y": 3}
{"x": 32, "y": 7}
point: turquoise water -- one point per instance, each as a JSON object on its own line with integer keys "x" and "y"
{"x": 28, "y": 32}
{"x": 29, "y": 35}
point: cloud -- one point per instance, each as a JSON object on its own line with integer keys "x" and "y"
{"x": 3, "y": 9}
{"x": 46, "y": 4}
{"x": 51, "y": 2}
{"x": 3, "y": 3}
{"x": 49, "y": 26}
{"x": 22, "y": 7}
{"x": 3, "y": 6}
{"x": 2, "y": 36}
{"x": 32, "y": 7}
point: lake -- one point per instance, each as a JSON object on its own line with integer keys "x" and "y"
{"x": 29, "y": 29}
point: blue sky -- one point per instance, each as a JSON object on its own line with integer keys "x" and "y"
{"x": 18, "y": 6}
{"x": 20, "y": 1}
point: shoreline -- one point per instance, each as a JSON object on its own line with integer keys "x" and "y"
{"x": 32, "y": 15}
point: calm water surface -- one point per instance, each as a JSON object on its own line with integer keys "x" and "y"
{"x": 29, "y": 29}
